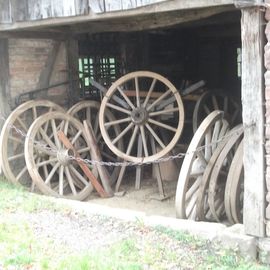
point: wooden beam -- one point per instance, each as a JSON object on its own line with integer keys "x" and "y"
{"x": 143, "y": 22}
{"x": 35, "y": 35}
{"x": 253, "y": 120}
{"x": 157, "y": 9}
{"x": 73, "y": 67}
{"x": 4, "y": 81}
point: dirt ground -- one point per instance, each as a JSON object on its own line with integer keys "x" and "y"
{"x": 146, "y": 199}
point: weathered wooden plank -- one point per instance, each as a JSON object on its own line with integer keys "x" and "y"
{"x": 69, "y": 8}
{"x": 81, "y": 7}
{"x": 138, "y": 23}
{"x": 73, "y": 56}
{"x": 57, "y": 8}
{"x": 141, "y": 3}
{"x": 129, "y": 4}
{"x": 19, "y": 9}
{"x": 46, "y": 9}
{"x": 4, "y": 80}
{"x": 5, "y": 12}
{"x": 34, "y": 9}
{"x": 97, "y": 6}
{"x": 253, "y": 120}
{"x": 113, "y": 5}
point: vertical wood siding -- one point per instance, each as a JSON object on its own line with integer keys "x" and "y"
{"x": 29, "y": 10}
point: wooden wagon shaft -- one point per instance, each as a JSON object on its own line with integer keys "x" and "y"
{"x": 103, "y": 173}
{"x": 131, "y": 93}
{"x": 83, "y": 166}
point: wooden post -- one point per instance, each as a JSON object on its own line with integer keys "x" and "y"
{"x": 73, "y": 66}
{"x": 253, "y": 120}
{"x": 4, "y": 80}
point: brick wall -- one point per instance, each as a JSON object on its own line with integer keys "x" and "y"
{"x": 27, "y": 58}
{"x": 267, "y": 111}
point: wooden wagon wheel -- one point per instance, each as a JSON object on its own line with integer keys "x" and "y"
{"x": 12, "y": 142}
{"x": 209, "y": 102}
{"x": 203, "y": 144}
{"x": 57, "y": 175}
{"x": 89, "y": 110}
{"x": 203, "y": 210}
{"x": 219, "y": 174}
{"x": 233, "y": 197}
{"x": 150, "y": 104}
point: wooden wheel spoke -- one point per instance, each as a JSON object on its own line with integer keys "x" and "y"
{"x": 22, "y": 124}
{"x": 191, "y": 205}
{"x": 145, "y": 149}
{"x": 206, "y": 109}
{"x": 34, "y": 111}
{"x": 82, "y": 150}
{"x": 88, "y": 115}
{"x": 54, "y": 129}
{"x": 70, "y": 181}
{"x": 61, "y": 180}
{"x": 14, "y": 139}
{"x": 96, "y": 126}
{"x": 215, "y": 102}
{"x": 152, "y": 121}
{"x": 117, "y": 122}
{"x": 193, "y": 188}
{"x": 76, "y": 137}
{"x": 164, "y": 111}
{"x": 127, "y": 99}
{"x": 158, "y": 100}
{"x": 21, "y": 173}
{"x": 155, "y": 136}
{"x": 50, "y": 161}
{"x": 46, "y": 138}
{"x": 122, "y": 133}
{"x": 52, "y": 172}
{"x": 149, "y": 92}
{"x": 117, "y": 108}
{"x": 208, "y": 147}
{"x": 132, "y": 140}
{"x": 66, "y": 126}
{"x": 12, "y": 158}
{"x": 78, "y": 175}
{"x": 138, "y": 101}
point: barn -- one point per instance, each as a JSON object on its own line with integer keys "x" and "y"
{"x": 67, "y": 51}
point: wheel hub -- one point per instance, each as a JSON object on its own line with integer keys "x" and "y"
{"x": 139, "y": 116}
{"x": 63, "y": 156}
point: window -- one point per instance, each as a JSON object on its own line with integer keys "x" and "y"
{"x": 100, "y": 69}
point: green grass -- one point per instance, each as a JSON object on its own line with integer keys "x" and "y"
{"x": 20, "y": 248}
{"x": 16, "y": 198}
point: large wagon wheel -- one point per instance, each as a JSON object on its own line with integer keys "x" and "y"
{"x": 203, "y": 144}
{"x": 89, "y": 110}
{"x": 57, "y": 175}
{"x": 209, "y": 102}
{"x": 12, "y": 142}
{"x": 203, "y": 209}
{"x": 219, "y": 174}
{"x": 234, "y": 191}
{"x": 150, "y": 104}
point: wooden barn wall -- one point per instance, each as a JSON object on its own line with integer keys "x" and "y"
{"x": 267, "y": 115}
{"x": 35, "y": 64}
{"x": 27, "y": 10}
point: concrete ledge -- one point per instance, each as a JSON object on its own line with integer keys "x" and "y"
{"x": 219, "y": 235}
{"x": 234, "y": 237}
